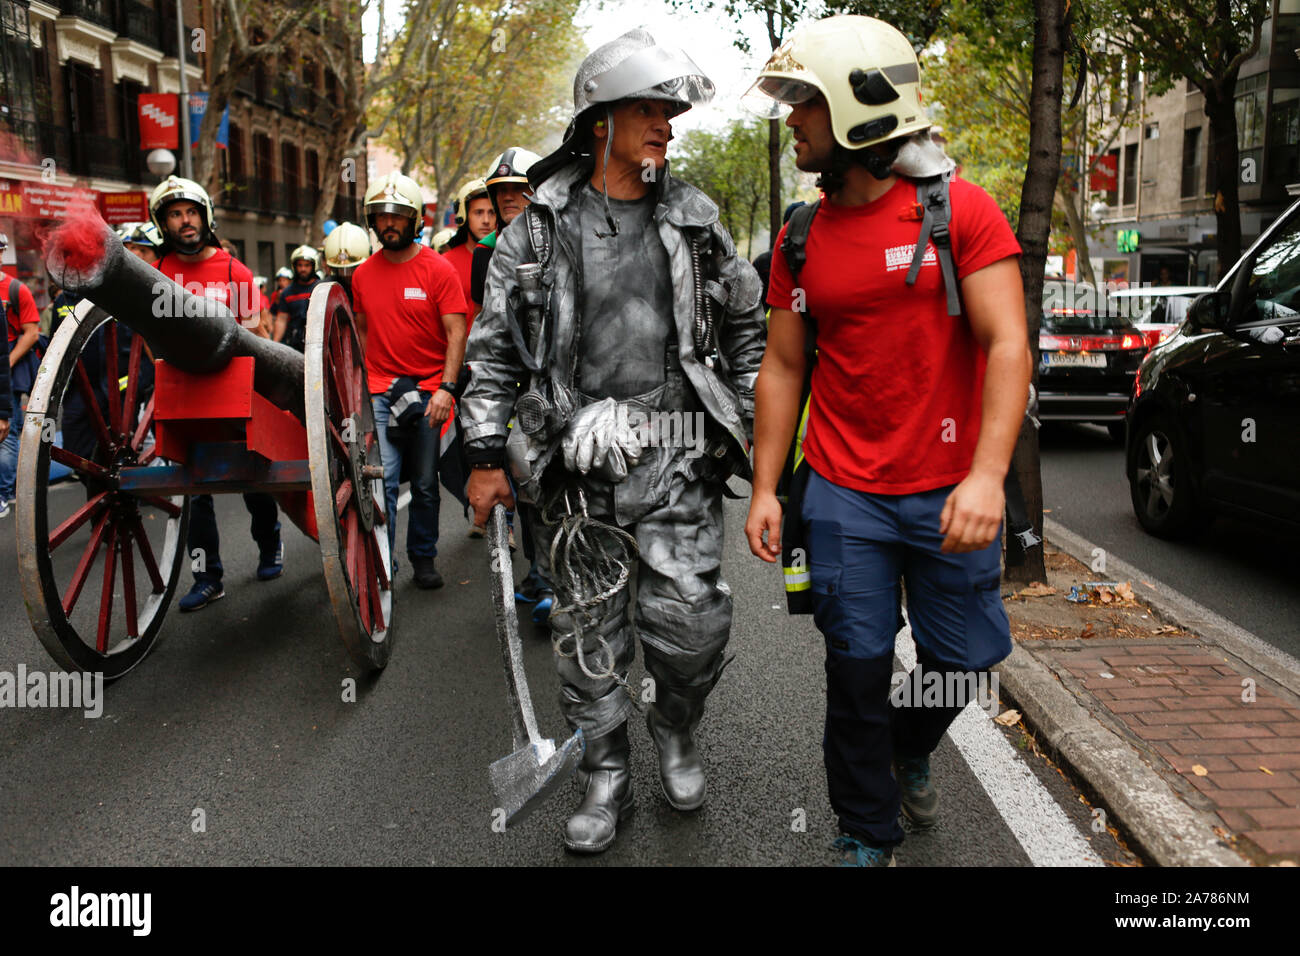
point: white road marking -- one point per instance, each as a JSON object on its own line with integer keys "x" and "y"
{"x": 1042, "y": 828}
{"x": 403, "y": 499}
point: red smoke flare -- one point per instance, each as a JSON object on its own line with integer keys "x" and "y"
{"x": 79, "y": 239}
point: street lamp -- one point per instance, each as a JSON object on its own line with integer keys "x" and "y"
{"x": 161, "y": 162}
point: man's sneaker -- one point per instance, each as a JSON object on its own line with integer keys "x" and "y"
{"x": 542, "y": 609}
{"x": 426, "y": 575}
{"x": 202, "y": 594}
{"x": 271, "y": 566}
{"x": 478, "y": 531}
{"x": 857, "y": 853}
{"x": 4, "y": 507}
{"x": 920, "y": 799}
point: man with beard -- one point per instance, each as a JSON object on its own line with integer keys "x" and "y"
{"x": 410, "y": 315}
{"x": 290, "y": 309}
{"x": 183, "y": 213}
{"x": 938, "y": 355}
{"x": 653, "y": 315}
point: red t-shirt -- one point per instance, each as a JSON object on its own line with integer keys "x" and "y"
{"x": 462, "y": 257}
{"x": 897, "y": 389}
{"x": 404, "y": 305}
{"x": 221, "y": 277}
{"x": 27, "y": 313}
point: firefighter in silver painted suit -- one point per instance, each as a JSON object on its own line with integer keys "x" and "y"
{"x": 652, "y": 316}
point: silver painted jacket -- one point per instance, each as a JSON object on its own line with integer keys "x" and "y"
{"x": 726, "y": 391}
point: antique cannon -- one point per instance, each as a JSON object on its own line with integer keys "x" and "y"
{"x": 223, "y": 411}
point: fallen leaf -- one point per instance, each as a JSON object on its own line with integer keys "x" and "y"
{"x": 1105, "y": 595}
{"x": 1148, "y": 583}
{"x": 1007, "y": 717}
{"x": 466, "y": 581}
{"x": 1167, "y": 629}
{"x": 1199, "y": 770}
{"x": 1124, "y": 591}
{"x": 1267, "y": 771}
{"x": 1036, "y": 589}
{"x": 1087, "y": 631}
{"x": 1047, "y": 511}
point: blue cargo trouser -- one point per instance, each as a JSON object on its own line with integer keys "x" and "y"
{"x": 859, "y": 545}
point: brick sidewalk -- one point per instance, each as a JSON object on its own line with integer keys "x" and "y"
{"x": 1180, "y": 701}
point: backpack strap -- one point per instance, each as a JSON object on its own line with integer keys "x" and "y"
{"x": 794, "y": 245}
{"x": 932, "y": 198}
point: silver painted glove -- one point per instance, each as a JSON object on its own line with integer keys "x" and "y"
{"x": 600, "y": 438}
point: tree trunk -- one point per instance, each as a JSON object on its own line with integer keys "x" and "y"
{"x": 1078, "y": 234}
{"x": 1220, "y": 107}
{"x": 1041, "y": 176}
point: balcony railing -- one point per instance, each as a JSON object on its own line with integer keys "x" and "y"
{"x": 169, "y": 39}
{"x": 306, "y": 201}
{"x": 257, "y": 194}
{"x": 141, "y": 22}
{"x": 281, "y": 201}
{"x": 95, "y": 11}
{"x": 247, "y": 84}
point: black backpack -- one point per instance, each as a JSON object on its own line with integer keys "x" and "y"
{"x": 934, "y": 206}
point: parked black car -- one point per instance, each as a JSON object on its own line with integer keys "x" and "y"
{"x": 1214, "y": 423}
{"x": 1088, "y": 357}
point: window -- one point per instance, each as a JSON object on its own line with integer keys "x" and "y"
{"x": 1284, "y": 137}
{"x": 235, "y": 154}
{"x": 1130, "y": 173}
{"x": 312, "y": 179}
{"x": 1251, "y": 93}
{"x": 1191, "y": 162}
{"x": 1286, "y": 28}
{"x": 1275, "y": 279}
{"x": 1151, "y": 154}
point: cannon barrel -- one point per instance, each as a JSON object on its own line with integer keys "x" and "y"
{"x": 192, "y": 332}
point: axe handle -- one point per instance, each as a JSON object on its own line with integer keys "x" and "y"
{"x": 522, "y": 718}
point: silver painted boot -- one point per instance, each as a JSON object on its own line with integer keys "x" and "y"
{"x": 608, "y": 793}
{"x": 671, "y": 721}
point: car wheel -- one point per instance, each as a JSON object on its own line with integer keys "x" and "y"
{"x": 1116, "y": 430}
{"x": 1159, "y": 479}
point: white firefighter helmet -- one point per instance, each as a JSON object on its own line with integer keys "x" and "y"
{"x": 140, "y": 234}
{"x": 394, "y": 193}
{"x": 441, "y": 240}
{"x": 866, "y": 69}
{"x": 474, "y": 189}
{"x": 174, "y": 188}
{"x": 284, "y": 272}
{"x": 346, "y": 247}
{"x": 630, "y": 67}
{"x": 305, "y": 252}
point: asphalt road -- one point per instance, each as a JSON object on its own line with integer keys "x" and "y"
{"x": 1245, "y": 572}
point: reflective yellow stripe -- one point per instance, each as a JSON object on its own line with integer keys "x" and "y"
{"x": 798, "y": 578}
{"x": 121, "y": 383}
{"x": 799, "y": 435}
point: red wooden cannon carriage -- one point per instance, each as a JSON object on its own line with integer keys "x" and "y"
{"x": 229, "y": 412}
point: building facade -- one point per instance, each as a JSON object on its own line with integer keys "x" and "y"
{"x": 71, "y": 76}
{"x": 1158, "y": 225}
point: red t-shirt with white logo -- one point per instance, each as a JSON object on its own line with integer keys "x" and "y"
{"x": 221, "y": 277}
{"x": 404, "y": 304}
{"x": 26, "y": 314}
{"x": 897, "y": 388}
{"x": 462, "y": 257}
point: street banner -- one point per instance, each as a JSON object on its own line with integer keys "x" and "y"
{"x": 159, "y": 121}
{"x": 1105, "y": 173}
{"x": 29, "y": 200}
{"x": 199, "y": 106}
{"x": 118, "y": 208}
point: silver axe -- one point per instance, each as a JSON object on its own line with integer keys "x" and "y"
{"x": 524, "y": 778}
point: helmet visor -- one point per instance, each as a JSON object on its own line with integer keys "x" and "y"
{"x": 771, "y": 97}
{"x": 657, "y": 72}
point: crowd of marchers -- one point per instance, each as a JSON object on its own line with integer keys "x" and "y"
{"x": 576, "y": 290}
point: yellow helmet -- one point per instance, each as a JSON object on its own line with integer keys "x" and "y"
{"x": 346, "y": 247}
{"x": 866, "y": 69}
{"x": 394, "y": 193}
{"x": 174, "y": 188}
{"x": 474, "y": 189}
{"x": 442, "y": 239}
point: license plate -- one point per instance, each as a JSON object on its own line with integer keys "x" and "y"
{"x": 1074, "y": 359}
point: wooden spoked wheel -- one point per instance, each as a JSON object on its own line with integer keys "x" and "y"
{"x": 98, "y": 566}
{"x": 347, "y": 479}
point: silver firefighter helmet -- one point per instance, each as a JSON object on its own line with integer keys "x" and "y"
{"x": 630, "y": 67}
